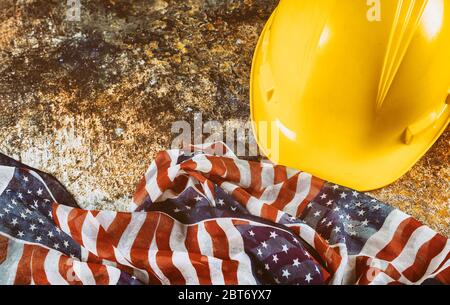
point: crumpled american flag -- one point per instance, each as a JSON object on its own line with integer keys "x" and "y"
{"x": 199, "y": 217}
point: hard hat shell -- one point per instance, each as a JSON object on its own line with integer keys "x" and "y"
{"x": 349, "y": 96}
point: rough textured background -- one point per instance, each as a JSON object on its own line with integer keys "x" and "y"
{"x": 93, "y": 101}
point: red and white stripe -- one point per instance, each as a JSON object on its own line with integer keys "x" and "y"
{"x": 6, "y": 174}
{"x": 219, "y": 243}
{"x": 11, "y": 265}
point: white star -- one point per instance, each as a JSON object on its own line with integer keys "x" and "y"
{"x": 251, "y": 233}
{"x": 38, "y": 238}
{"x": 28, "y": 211}
{"x": 233, "y": 208}
{"x": 317, "y": 214}
{"x": 6, "y": 210}
{"x": 1, "y": 215}
{"x": 275, "y": 258}
{"x": 260, "y": 252}
{"x": 347, "y": 217}
{"x": 20, "y": 196}
{"x": 264, "y": 245}
{"x": 336, "y": 209}
{"x": 323, "y": 196}
{"x": 66, "y": 243}
{"x": 373, "y": 200}
{"x": 22, "y": 215}
{"x": 32, "y": 227}
{"x": 309, "y": 205}
{"x": 295, "y": 263}
{"x": 329, "y": 223}
{"x": 29, "y": 192}
{"x": 365, "y": 222}
{"x": 292, "y": 218}
{"x": 20, "y": 234}
{"x": 266, "y": 266}
{"x": 286, "y": 273}
{"x": 337, "y": 229}
{"x": 352, "y": 233}
{"x": 25, "y": 178}
{"x": 355, "y": 194}
{"x": 285, "y": 249}
{"x": 13, "y": 201}
{"x": 377, "y": 207}
{"x": 188, "y": 207}
{"x": 343, "y": 195}
{"x": 323, "y": 220}
{"x": 50, "y": 214}
{"x": 14, "y": 221}
{"x": 350, "y": 226}
{"x": 221, "y": 202}
{"x": 176, "y": 210}
{"x": 361, "y": 212}
{"x": 335, "y": 186}
{"x": 198, "y": 198}
{"x": 296, "y": 240}
{"x": 330, "y": 202}
{"x": 56, "y": 246}
{"x": 41, "y": 221}
{"x": 58, "y": 230}
{"x": 39, "y": 192}
{"x": 273, "y": 234}
{"x": 50, "y": 234}
{"x": 308, "y": 278}
{"x": 358, "y": 204}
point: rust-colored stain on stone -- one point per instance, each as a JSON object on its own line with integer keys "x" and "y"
{"x": 92, "y": 101}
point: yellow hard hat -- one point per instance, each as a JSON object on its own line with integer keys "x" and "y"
{"x": 354, "y": 92}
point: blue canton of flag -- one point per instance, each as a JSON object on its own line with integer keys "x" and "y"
{"x": 27, "y": 214}
{"x": 342, "y": 215}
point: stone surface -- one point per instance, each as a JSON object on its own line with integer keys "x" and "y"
{"x": 93, "y": 100}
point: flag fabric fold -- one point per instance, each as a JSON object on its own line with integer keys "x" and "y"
{"x": 204, "y": 216}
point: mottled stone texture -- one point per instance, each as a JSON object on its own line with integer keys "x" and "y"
{"x": 93, "y": 101}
